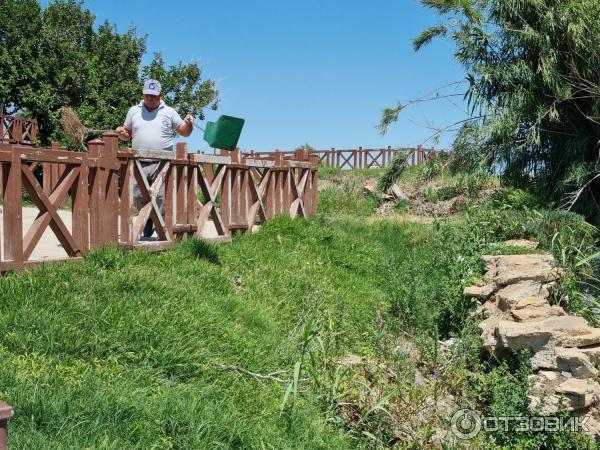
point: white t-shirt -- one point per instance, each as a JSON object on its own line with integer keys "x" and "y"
{"x": 152, "y": 130}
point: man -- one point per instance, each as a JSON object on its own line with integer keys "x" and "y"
{"x": 151, "y": 125}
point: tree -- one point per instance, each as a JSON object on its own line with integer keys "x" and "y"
{"x": 19, "y": 56}
{"x": 55, "y": 57}
{"x": 533, "y": 76}
{"x": 182, "y": 86}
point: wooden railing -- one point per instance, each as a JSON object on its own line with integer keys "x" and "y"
{"x": 6, "y": 413}
{"x": 232, "y": 191}
{"x": 365, "y": 158}
{"x": 18, "y": 130}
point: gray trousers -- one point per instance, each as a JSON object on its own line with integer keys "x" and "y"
{"x": 151, "y": 171}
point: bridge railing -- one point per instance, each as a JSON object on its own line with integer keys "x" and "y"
{"x": 227, "y": 193}
{"x": 366, "y": 158}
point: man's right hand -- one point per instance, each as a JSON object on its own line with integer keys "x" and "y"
{"x": 124, "y": 134}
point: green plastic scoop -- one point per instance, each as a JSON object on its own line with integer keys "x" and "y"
{"x": 224, "y": 133}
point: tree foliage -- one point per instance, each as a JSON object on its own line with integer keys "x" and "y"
{"x": 533, "y": 73}
{"x": 57, "y": 56}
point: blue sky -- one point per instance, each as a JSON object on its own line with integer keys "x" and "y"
{"x": 317, "y": 72}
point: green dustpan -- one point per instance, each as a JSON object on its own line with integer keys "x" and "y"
{"x": 224, "y": 133}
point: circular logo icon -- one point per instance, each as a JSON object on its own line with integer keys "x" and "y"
{"x": 465, "y": 424}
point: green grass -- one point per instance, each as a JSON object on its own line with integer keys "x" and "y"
{"x": 122, "y": 350}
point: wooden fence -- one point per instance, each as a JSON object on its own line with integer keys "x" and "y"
{"x": 18, "y": 130}
{"x": 233, "y": 191}
{"x": 365, "y": 158}
{"x": 6, "y": 413}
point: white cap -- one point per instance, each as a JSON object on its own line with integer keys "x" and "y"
{"x": 152, "y": 87}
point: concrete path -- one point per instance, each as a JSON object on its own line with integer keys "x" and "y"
{"x": 49, "y": 247}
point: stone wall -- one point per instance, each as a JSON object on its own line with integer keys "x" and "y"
{"x": 565, "y": 350}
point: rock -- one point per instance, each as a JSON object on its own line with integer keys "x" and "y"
{"x": 565, "y": 331}
{"x": 536, "y": 313}
{"x": 593, "y": 353}
{"x": 369, "y": 188}
{"x": 490, "y": 309}
{"x": 479, "y": 292}
{"x": 581, "y": 392}
{"x": 521, "y": 243}
{"x": 509, "y": 269}
{"x": 493, "y": 315}
{"x": 531, "y": 302}
{"x": 549, "y": 375}
{"x": 520, "y": 335}
{"x": 397, "y": 192}
{"x": 571, "y": 331}
{"x": 552, "y": 403}
{"x": 449, "y": 345}
{"x": 575, "y": 361}
{"x": 510, "y": 296}
{"x": 544, "y": 358}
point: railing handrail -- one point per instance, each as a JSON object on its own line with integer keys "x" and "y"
{"x": 238, "y": 192}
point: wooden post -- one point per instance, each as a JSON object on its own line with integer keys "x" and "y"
{"x": 170, "y": 201}
{"x": 96, "y": 193}
{"x": 80, "y": 208}
{"x": 360, "y": 158}
{"x": 363, "y": 158}
{"x": 354, "y": 154}
{"x": 13, "y": 209}
{"x": 111, "y": 215}
{"x": 181, "y": 185}
{"x": 192, "y": 194}
{"x": 48, "y": 172}
{"x": 34, "y": 130}
{"x": 226, "y": 195}
{"x": 314, "y": 160}
{"x": 419, "y": 154}
{"x": 17, "y": 129}
{"x": 126, "y": 202}
{"x": 6, "y": 412}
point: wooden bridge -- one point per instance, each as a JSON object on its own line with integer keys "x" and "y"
{"x": 229, "y": 192}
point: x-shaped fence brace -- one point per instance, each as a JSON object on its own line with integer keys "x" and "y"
{"x": 48, "y": 215}
{"x": 375, "y": 156}
{"x": 297, "y": 192}
{"x": 346, "y": 160}
{"x": 149, "y": 195}
{"x": 209, "y": 208}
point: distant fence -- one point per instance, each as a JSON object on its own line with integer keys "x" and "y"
{"x": 18, "y": 130}
{"x": 233, "y": 191}
{"x": 365, "y": 158}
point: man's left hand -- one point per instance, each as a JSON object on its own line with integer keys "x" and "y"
{"x": 189, "y": 119}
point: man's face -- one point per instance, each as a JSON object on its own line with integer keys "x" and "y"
{"x": 151, "y": 101}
